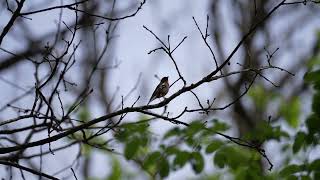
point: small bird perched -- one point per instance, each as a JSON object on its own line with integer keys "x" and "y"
{"x": 161, "y": 90}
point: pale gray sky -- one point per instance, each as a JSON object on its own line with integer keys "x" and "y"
{"x": 163, "y": 17}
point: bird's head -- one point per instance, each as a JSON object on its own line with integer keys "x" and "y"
{"x": 165, "y": 79}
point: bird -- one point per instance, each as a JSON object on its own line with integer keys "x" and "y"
{"x": 161, "y": 90}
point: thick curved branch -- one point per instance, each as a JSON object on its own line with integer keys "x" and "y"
{"x": 126, "y": 110}
{"x": 52, "y": 8}
{"x": 110, "y": 18}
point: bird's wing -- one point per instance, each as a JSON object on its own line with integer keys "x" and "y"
{"x": 154, "y": 94}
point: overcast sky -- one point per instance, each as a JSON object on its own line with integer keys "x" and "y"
{"x": 161, "y": 16}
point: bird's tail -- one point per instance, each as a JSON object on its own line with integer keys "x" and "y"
{"x": 151, "y": 99}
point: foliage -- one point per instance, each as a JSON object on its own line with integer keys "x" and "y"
{"x": 307, "y": 139}
{"x": 198, "y": 145}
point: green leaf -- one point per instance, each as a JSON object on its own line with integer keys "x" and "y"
{"x": 316, "y": 175}
{"x": 131, "y": 148}
{"x": 277, "y": 133}
{"x": 315, "y": 165}
{"x": 313, "y": 124}
{"x": 313, "y": 61}
{"x": 197, "y": 162}
{"x": 213, "y": 146}
{"x": 305, "y": 178}
{"x": 298, "y": 142}
{"x": 116, "y": 170}
{"x": 176, "y": 131}
{"x": 191, "y": 141}
{"x": 138, "y": 128}
{"x": 220, "y": 159}
{"x": 172, "y": 150}
{"x": 264, "y": 132}
{"x": 292, "y": 177}
{"x": 181, "y": 158}
{"x": 248, "y": 173}
{"x": 84, "y": 114}
{"x": 289, "y": 170}
{"x": 164, "y": 167}
{"x": 195, "y": 127}
{"x": 237, "y": 157}
{"x": 151, "y": 159}
{"x": 316, "y": 103}
{"x": 317, "y": 86}
{"x": 261, "y": 97}
{"x": 291, "y": 111}
{"x": 312, "y": 77}
{"x": 130, "y": 131}
{"x": 218, "y": 126}
{"x": 86, "y": 150}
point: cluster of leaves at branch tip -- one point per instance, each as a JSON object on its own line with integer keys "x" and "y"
{"x": 180, "y": 146}
{"x": 264, "y": 132}
{"x": 115, "y": 171}
{"x": 136, "y": 138}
